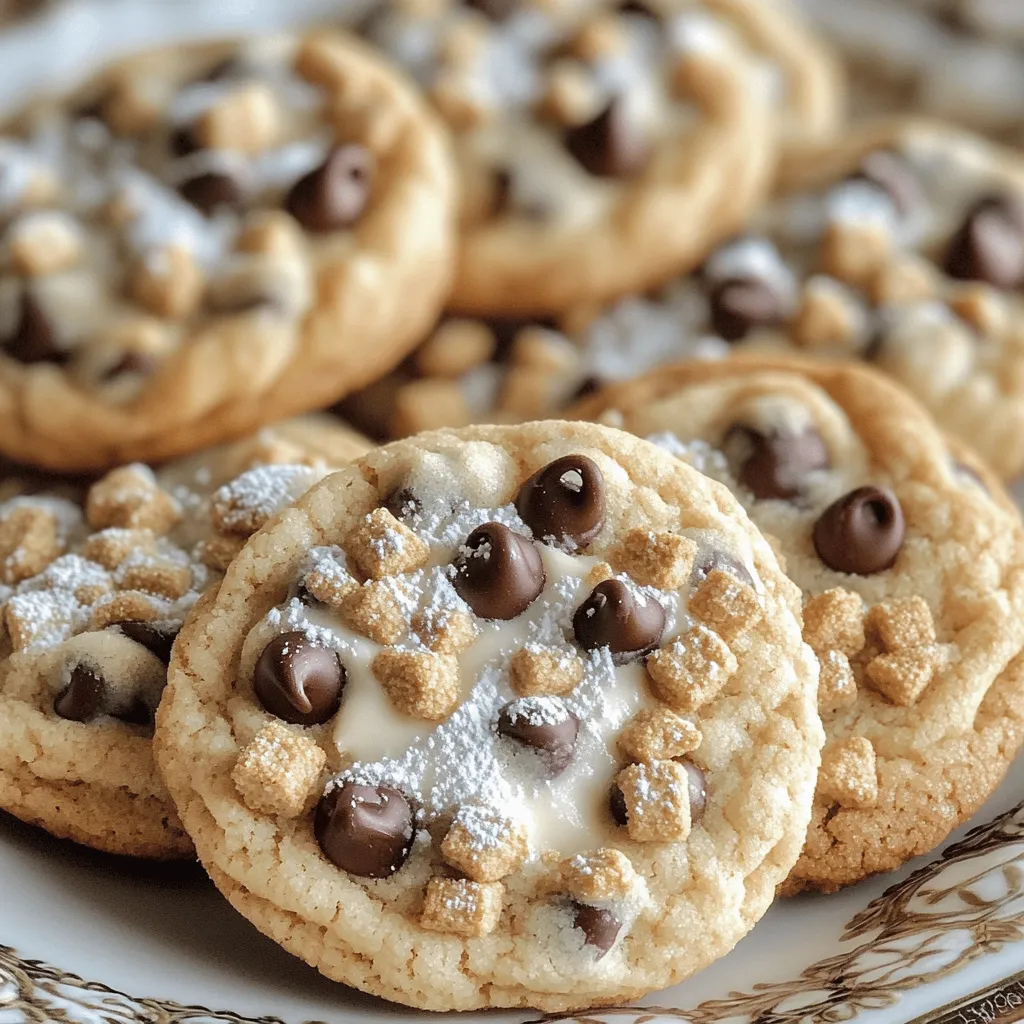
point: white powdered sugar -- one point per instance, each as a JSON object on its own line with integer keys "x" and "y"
{"x": 699, "y": 454}
{"x": 537, "y": 711}
{"x": 262, "y": 492}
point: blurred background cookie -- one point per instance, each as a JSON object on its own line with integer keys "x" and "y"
{"x": 207, "y": 238}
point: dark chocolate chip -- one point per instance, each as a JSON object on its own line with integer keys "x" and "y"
{"x": 617, "y": 806}
{"x": 213, "y": 191}
{"x": 132, "y": 362}
{"x": 82, "y": 699}
{"x": 364, "y": 830}
{"x": 892, "y": 174}
{"x": 138, "y": 714}
{"x": 639, "y": 10}
{"x": 158, "y": 642}
{"x": 617, "y": 617}
{"x": 600, "y": 927}
{"x": 299, "y": 681}
{"x": 495, "y": 10}
{"x": 501, "y": 191}
{"x": 564, "y": 501}
{"x": 740, "y": 305}
{"x": 717, "y": 559}
{"x": 403, "y": 504}
{"x": 989, "y": 246}
{"x": 612, "y": 145}
{"x": 698, "y": 789}
{"x": 34, "y": 339}
{"x": 590, "y": 385}
{"x": 224, "y": 68}
{"x": 183, "y": 142}
{"x": 776, "y": 465}
{"x": 546, "y": 726}
{"x": 499, "y": 574}
{"x": 334, "y": 195}
{"x": 862, "y": 532}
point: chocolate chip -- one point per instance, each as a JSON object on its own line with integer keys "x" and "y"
{"x": 34, "y": 339}
{"x": 364, "y": 830}
{"x": 564, "y": 501}
{"x": 334, "y": 195}
{"x": 892, "y": 174}
{"x": 590, "y": 385}
{"x": 403, "y": 504}
{"x": 157, "y": 641}
{"x": 862, "y": 532}
{"x": 495, "y": 10}
{"x": 639, "y": 10}
{"x": 224, "y": 68}
{"x": 600, "y": 927}
{"x": 610, "y": 146}
{"x": 776, "y": 465}
{"x": 82, "y": 699}
{"x": 740, "y": 305}
{"x": 698, "y": 788}
{"x": 183, "y": 142}
{"x": 213, "y": 191}
{"x": 617, "y": 806}
{"x": 298, "y": 680}
{"x": 989, "y": 246}
{"x": 138, "y": 714}
{"x": 717, "y": 559}
{"x": 498, "y": 574}
{"x": 616, "y": 617}
{"x": 544, "y": 725}
{"x": 132, "y": 362}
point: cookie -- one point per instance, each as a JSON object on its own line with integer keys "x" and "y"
{"x": 94, "y": 585}
{"x": 582, "y": 130}
{"x": 414, "y": 741}
{"x": 911, "y": 564}
{"x": 208, "y": 238}
{"x": 902, "y": 246}
{"x": 957, "y": 59}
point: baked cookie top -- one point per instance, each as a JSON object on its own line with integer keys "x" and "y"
{"x": 912, "y": 573}
{"x": 583, "y": 127}
{"x": 509, "y": 716}
{"x": 206, "y": 238}
{"x": 902, "y": 246}
{"x": 95, "y": 582}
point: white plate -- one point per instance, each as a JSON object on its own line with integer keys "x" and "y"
{"x": 98, "y": 940}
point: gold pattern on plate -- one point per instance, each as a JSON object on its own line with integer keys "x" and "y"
{"x": 967, "y": 904}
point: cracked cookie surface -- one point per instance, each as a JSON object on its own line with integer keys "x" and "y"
{"x": 204, "y": 239}
{"x": 451, "y": 734}
{"x": 911, "y": 563}
{"x": 96, "y": 581}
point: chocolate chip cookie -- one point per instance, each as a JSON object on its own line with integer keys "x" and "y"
{"x": 490, "y": 719}
{"x": 911, "y": 563}
{"x": 94, "y": 585}
{"x": 902, "y": 246}
{"x": 207, "y": 238}
{"x": 585, "y": 131}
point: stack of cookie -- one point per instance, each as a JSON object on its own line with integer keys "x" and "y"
{"x": 657, "y": 604}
